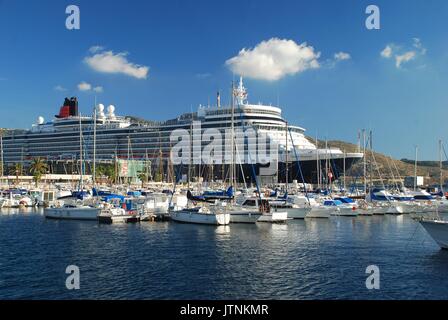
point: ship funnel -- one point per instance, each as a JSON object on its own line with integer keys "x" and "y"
{"x": 40, "y": 120}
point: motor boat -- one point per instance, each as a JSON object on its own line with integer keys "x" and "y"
{"x": 77, "y": 211}
{"x": 437, "y": 229}
{"x": 200, "y": 215}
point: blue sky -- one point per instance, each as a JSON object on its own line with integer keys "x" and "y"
{"x": 185, "y": 46}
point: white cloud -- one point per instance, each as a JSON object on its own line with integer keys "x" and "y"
{"x": 98, "y": 89}
{"x": 94, "y": 49}
{"x": 402, "y": 56}
{"x": 84, "y": 86}
{"x": 273, "y": 59}
{"x": 342, "y": 56}
{"x": 59, "y": 88}
{"x": 110, "y": 62}
{"x": 407, "y": 56}
{"x": 387, "y": 52}
{"x": 418, "y": 44}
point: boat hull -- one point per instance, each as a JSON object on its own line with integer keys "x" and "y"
{"x": 244, "y": 216}
{"x": 72, "y": 214}
{"x": 201, "y": 218}
{"x": 320, "y": 212}
{"x": 345, "y": 212}
{"x": 274, "y": 217}
{"x": 297, "y": 213}
{"x": 438, "y": 230}
{"x": 118, "y": 219}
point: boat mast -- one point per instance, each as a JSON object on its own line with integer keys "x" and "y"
{"x": 190, "y": 159}
{"x": 94, "y": 145}
{"x": 317, "y": 163}
{"x": 441, "y": 165}
{"x": 326, "y": 165}
{"x": 232, "y": 128}
{"x": 1, "y": 152}
{"x": 371, "y": 162}
{"x": 364, "y": 160}
{"x": 344, "y": 172}
{"x": 80, "y": 154}
{"x": 415, "y": 168}
{"x": 287, "y": 163}
{"x": 129, "y": 159}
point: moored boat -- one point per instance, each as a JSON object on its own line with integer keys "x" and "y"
{"x": 199, "y": 215}
{"x": 72, "y": 212}
{"x": 438, "y": 230}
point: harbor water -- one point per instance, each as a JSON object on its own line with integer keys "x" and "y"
{"x": 302, "y": 259}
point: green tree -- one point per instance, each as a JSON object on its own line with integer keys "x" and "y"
{"x": 106, "y": 170}
{"x": 143, "y": 177}
{"x": 15, "y": 170}
{"x": 38, "y": 168}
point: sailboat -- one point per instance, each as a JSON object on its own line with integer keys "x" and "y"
{"x": 197, "y": 214}
{"x": 76, "y": 210}
{"x": 437, "y": 229}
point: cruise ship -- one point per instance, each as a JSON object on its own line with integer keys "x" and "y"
{"x": 105, "y": 137}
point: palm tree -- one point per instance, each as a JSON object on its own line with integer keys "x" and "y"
{"x": 143, "y": 177}
{"x": 38, "y": 168}
{"x": 17, "y": 171}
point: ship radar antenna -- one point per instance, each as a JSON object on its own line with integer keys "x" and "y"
{"x": 240, "y": 93}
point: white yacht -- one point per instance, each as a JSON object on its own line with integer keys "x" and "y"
{"x": 72, "y": 212}
{"x": 200, "y": 215}
{"x": 438, "y": 230}
{"x": 293, "y": 211}
{"x": 111, "y": 214}
{"x": 267, "y": 213}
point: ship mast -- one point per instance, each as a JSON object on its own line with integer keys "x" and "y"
{"x": 364, "y": 160}
{"x": 232, "y": 159}
{"x": 80, "y": 155}
{"x": 1, "y": 153}
{"x": 441, "y": 165}
{"x": 415, "y": 168}
{"x": 94, "y": 145}
{"x": 287, "y": 163}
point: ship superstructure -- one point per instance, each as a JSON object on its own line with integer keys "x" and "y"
{"x": 126, "y": 138}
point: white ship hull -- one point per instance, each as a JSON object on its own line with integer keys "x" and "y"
{"x": 320, "y": 212}
{"x": 200, "y": 218}
{"x": 345, "y": 211}
{"x": 297, "y": 213}
{"x": 72, "y": 213}
{"x": 274, "y": 217}
{"x": 244, "y": 216}
{"x": 438, "y": 230}
{"x": 365, "y": 212}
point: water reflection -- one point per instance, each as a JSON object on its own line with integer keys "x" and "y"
{"x": 301, "y": 259}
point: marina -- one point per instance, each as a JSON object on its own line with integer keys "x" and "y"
{"x": 304, "y": 202}
{"x": 227, "y": 155}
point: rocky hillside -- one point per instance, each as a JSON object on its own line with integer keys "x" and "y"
{"x": 388, "y": 166}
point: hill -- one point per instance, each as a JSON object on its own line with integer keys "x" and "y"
{"x": 388, "y": 167}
